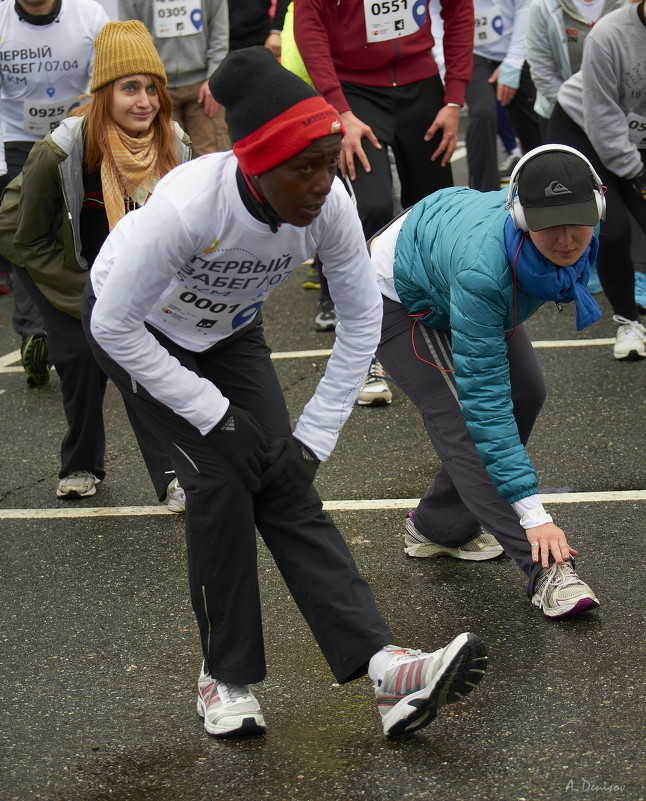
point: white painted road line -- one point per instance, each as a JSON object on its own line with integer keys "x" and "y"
{"x": 571, "y": 343}
{"x": 68, "y": 512}
{"x": 10, "y": 359}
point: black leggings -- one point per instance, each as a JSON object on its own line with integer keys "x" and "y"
{"x": 614, "y": 262}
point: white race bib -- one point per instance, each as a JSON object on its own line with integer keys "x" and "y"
{"x": 637, "y": 130}
{"x": 41, "y": 118}
{"x": 177, "y": 18}
{"x": 489, "y": 26}
{"x": 194, "y": 313}
{"x": 390, "y": 19}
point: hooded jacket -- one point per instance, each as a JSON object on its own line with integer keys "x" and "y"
{"x": 40, "y": 214}
{"x": 607, "y": 96}
{"x": 547, "y": 48}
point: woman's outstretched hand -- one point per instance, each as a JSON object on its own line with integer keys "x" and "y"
{"x": 546, "y": 538}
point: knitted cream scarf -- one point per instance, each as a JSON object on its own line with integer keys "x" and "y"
{"x": 128, "y": 171}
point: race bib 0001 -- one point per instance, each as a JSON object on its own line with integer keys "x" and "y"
{"x": 193, "y": 313}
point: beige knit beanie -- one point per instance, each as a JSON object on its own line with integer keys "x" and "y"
{"x": 124, "y": 48}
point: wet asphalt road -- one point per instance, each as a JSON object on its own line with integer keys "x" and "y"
{"x": 100, "y": 653}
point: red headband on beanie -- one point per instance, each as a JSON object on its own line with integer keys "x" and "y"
{"x": 286, "y": 135}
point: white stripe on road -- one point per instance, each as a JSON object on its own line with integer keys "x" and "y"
{"x": 14, "y": 356}
{"x": 331, "y": 506}
{"x": 539, "y": 343}
{"x": 571, "y": 343}
{"x": 10, "y": 358}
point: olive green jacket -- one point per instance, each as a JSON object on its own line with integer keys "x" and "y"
{"x": 40, "y": 214}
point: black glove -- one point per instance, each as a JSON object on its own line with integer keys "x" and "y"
{"x": 291, "y": 471}
{"x": 638, "y": 183}
{"x": 239, "y": 438}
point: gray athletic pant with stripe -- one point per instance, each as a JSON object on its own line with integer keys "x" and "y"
{"x": 462, "y": 497}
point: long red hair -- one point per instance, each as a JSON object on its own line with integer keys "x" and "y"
{"x": 99, "y": 111}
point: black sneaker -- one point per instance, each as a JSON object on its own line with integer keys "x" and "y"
{"x": 35, "y": 358}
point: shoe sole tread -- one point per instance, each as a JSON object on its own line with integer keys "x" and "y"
{"x": 246, "y": 723}
{"x": 581, "y": 605}
{"x": 462, "y": 673}
{"x": 74, "y": 494}
{"x": 35, "y": 360}
{"x": 416, "y": 550}
{"x": 374, "y": 402}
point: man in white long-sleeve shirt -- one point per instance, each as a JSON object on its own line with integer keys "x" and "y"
{"x": 177, "y": 325}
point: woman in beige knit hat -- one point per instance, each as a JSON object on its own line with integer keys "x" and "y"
{"x": 78, "y": 182}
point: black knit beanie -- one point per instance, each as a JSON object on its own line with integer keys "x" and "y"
{"x": 272, "y": 114}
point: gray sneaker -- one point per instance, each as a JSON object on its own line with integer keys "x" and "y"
{"x": 508, "y": 165}
{"x": 326, "y": 318}
{"x": 176, "y": 498}
{"x": 228, "y": 709}
{"x": 416, "y": 684}
{"x": 559, "y": 592}
{"x": 477, "y": 550}
{"x": 630, "y": 344}
{"x": 375, "y": 390}
{"x": 78, "y": 484}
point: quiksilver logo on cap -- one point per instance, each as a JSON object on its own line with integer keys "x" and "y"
{"x": 556, "y": 188}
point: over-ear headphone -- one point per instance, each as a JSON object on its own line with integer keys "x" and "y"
{"x": 513, "y": 202}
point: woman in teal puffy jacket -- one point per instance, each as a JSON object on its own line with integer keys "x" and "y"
{"x": 460, "y": 272}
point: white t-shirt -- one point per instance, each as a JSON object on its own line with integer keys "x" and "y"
{"x": 590, "y": 10}
{"x": 44, "y": 68}
{"x": 383, "y": 258}
{"x": 194, "y": 263}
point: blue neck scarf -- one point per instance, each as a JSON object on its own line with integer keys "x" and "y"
{"x": 543, "y": 280}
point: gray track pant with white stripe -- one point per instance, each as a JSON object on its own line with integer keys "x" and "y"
{"x": 462, "y": 497}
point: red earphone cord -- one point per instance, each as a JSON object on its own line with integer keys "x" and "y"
{"x": 418, "y": 317}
